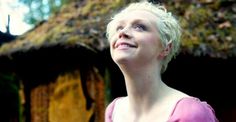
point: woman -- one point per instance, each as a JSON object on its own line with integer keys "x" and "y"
{"x": 143, "y": 38}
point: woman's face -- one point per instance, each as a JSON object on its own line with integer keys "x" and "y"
{"x": 136, "y": 38}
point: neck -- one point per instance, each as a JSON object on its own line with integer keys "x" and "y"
{"x": 144, "y": 87}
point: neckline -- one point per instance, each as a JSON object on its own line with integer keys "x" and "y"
{"x": 177, "y": 103}
{"x": 172, "y": 111}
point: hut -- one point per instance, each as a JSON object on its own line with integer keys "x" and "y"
{"x": 61, "y": 68}
{"x": 55, "y": 71}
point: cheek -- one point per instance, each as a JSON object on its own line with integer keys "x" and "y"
{"x": 111, "y": 47}
{"x": 151, "y": 40}
{"x": 111, "y": 40}
{"x": 152, "y": 43}
{"x": 111, "y": 44}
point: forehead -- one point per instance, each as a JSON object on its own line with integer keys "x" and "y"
{"x": 139, "y": 15}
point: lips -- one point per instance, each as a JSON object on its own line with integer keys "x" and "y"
{"x": 124, "y": 45}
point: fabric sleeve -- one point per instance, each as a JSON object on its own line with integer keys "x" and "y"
{"x": 109, "y": 111}
{"x": 193, "y": 110}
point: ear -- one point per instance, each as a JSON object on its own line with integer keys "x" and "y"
{"x": 166, "y": 50}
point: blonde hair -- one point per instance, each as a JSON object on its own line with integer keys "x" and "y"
{"x": 167, "y": 26}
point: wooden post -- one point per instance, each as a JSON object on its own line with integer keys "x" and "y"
{"x": 8, "y": 24}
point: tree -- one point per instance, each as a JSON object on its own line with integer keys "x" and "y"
{"x": 40, "y": 10}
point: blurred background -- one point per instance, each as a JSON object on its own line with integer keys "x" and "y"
{"x": 55, "y": 64}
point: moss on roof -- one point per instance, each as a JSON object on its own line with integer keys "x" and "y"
{"x": 209, "y": 27}
{"x": 80, "y": 23}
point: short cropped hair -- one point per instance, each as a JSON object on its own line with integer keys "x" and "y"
{"x": 168, "y": 27}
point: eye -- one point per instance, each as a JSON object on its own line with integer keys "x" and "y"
{"x": 140, "y": 27}
{"x": 118, "y": 28}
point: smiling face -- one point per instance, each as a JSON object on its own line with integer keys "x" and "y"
{"x": 135, "y": 38}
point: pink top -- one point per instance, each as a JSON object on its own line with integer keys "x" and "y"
{"x": 188, "y": 109}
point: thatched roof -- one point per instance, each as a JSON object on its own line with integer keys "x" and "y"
{"x": 75, "y": 24}
{"x": 209, "y": 27}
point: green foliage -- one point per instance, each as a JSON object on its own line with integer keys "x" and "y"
{"x": 8, "y": 81}
{"x": 10, "y": 100}
{"x": 41, "y": 9}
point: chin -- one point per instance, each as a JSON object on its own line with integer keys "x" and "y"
{"x": 119, "y": 60}
{"x": 122, "y": 60}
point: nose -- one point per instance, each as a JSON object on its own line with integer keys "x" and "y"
{"x": 124, "y": 34}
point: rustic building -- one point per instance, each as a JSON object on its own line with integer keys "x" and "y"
{"x": 56, "y": 67}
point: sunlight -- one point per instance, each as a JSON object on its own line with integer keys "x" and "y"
{"x": 16, "y": 11}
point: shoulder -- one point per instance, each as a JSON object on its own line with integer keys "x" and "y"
{"x": 109, "y": 110}
{"x": 192, "y": 109}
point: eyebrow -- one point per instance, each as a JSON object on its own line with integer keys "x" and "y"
{"x": 134, "y": 21}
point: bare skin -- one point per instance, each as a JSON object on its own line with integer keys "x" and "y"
{"x": 137, "y": 50}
